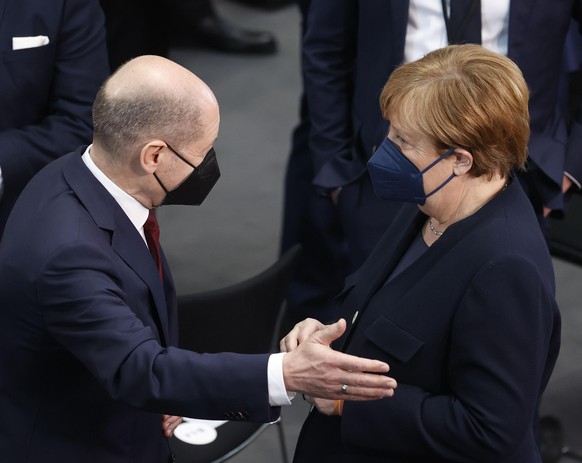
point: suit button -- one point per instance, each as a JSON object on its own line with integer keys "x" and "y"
{"x": 354, "y": 317}
{"x": 374, "y": 148}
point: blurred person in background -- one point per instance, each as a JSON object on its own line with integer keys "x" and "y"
{"x": 54, "y": 61}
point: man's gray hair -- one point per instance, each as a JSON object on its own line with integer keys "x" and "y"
{"x": 122, "y": 123}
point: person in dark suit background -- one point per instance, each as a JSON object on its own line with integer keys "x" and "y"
{"x": 88, "y": 326}
{"x": 459, "y": 293}
{"x": 54, "y": 60}
{"x": 310, "y": 219}
{"x": 349, "y": 50}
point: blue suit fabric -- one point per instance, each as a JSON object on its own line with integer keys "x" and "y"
{"x": 46, "y": 92}
{"x": 471, "y": 331}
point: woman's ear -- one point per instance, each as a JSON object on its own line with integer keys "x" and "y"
{"x": 150, "y": 154}
{"x": 462, "y": 161}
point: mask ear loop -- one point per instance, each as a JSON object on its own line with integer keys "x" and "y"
{"x": 168, "y": 193}
{"x": 441, "y": 186}
{"x": 439, "y": 159}
{"x": 180, "y": 156}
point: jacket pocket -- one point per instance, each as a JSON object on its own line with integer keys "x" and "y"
{"x": 29, "y": 54}
{"x": 393, "y": 339}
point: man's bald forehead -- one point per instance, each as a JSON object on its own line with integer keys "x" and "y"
{"x": 151, "y": 73}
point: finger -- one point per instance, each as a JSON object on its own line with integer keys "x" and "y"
{"x": 356, "y": 364}
{"x": 363, "y": 387}
{"x": 289, "y": 343}
{"x": 283, "y": 346}
{"x": 358, "y": 394}
{"x": 169, "y": 431}
{"x": 175, "y": 421}
{"x": 369, "y": 386}
{"x": 330, "y": 333}
{"x": 366, "y": 380}
{"x": 171, "y": 424}
{"x": 352, "y": 386}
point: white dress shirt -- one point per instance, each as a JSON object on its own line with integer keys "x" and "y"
{"x": 138, "y": 215}
{"x": 426, "y": 30}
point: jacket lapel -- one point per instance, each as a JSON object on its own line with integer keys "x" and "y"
{"x": 382, "y": 261}
{"x": 366, "y": 282}
{"x": 125, "y": 239}
{"x": 127, "y": 243}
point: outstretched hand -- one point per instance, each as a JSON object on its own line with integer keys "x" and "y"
{"x": 315, "y": 369}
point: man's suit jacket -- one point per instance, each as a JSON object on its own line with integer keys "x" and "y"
{"x": 46, "y": 92}
{"x": 471, "y": 332}
{"x": 87, "y": 335}
{"x": 352, "y": 46}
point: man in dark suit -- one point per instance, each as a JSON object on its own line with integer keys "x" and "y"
{"x": 54, "y": 60}
{"x": 88, "y": 317}
{"x": 352, "y": 46}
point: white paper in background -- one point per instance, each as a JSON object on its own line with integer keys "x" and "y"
{"x": 197, "y": 432}
{"x": 213, "y": 423}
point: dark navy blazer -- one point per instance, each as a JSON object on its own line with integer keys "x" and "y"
{"x": 46, "y": 92}
{"x": 87, "y": 362}
{"x": 471, "y": 331}
{"x": 352, "y": 46}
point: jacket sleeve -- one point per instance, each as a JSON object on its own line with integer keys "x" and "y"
{"x": 504, "y": 341}
{"x": 84, "y": 309}
{"x": 328, "y": 55}
{"x": 54, "y": 88}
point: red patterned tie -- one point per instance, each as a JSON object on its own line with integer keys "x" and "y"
{"x": 152, "y": 234}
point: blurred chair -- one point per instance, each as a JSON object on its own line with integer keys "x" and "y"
{"x": 552, "y": 445}
{"x": 244, "y": 318}
{"x": 565, "y": 238}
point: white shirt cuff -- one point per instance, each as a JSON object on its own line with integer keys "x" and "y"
{"x": 278, "y": 395}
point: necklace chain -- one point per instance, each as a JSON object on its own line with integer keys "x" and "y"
{"x": 432, "y": 229}
{"x": 440, "y": 233}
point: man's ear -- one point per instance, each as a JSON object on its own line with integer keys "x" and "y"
{"x": 462, "y": 161}
{"x": 150, "y": 154}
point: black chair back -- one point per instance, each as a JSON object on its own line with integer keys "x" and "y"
{"x": 239, "y": 318}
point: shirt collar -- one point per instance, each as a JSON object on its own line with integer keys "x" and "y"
{"x": 134, "y": 210}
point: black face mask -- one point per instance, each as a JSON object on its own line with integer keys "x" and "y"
{"x": 194, "y": 188}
